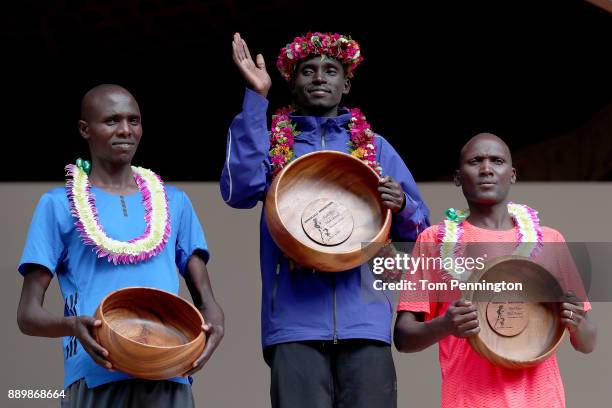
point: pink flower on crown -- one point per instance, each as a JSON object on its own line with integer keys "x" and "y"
{"x": 340, "y": 47}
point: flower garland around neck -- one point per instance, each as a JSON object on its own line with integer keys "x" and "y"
{"x": 361, "y": 146}
{"x": 528, "y": 235}
{"x": 157, "y": 219}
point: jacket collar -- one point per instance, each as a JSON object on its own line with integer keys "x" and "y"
{"x": 310, "y": 125}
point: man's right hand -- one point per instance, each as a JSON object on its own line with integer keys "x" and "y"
{"x": 81, "y": 329}
{"x": 253, "y": 72}
{"x": 462, "y": 319}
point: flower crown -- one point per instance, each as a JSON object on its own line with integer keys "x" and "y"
{"x": 339, "y": 47}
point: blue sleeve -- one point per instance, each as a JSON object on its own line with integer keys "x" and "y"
{"x": 414, "y": 218}
{"x": 247, "y": 172}
{"x": 190, "y": 236}
{"x": 44, "y": 244}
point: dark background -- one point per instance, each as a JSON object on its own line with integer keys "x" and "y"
{"x": 434, "y": 74}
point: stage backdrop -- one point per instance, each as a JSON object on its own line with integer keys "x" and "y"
{"x": 237, "y": 375}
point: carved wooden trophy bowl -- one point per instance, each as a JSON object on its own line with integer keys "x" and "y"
{"x": 324, "y": 211}
{"x": 518, "y": 329}
{"x": 150, "y": 333}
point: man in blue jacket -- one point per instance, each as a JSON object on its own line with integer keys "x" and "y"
{"x": 325, "y": 344}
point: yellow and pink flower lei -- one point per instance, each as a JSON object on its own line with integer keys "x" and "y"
{"x": 362, "y": 144}
{"x": 528, "y": 234}
{"x": 157, "y": 217}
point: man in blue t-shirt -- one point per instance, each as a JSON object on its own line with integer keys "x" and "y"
{"x": 113, "y": 226}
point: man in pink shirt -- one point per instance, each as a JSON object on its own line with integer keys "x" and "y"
{"x": 468, "y": 380}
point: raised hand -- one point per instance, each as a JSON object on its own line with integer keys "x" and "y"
{"x": 254, "y": 72}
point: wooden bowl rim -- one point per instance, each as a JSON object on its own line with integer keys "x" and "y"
{"x": 115, "y": 292}
{"x": 476, "y": 338}
{"x": 387, "y": 217}
{"x": 505, "y": 258}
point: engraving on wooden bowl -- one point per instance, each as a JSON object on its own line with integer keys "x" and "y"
{"x": 327, "y": 222}
{"x": 507, "y": 318}
{"x": 351, "y": 218}
{"x": 145, "y": 327}
{"x": 518, "y": 329}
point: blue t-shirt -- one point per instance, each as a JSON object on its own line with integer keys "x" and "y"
{"x": 54, "y": 242}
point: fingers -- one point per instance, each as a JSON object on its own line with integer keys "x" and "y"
{"x": 573, "y": 323}
{"x": 388, "y": 182}
{"x": 568, "y": 309}
{"x": 468, "y": 326}
{"x": 572, "y": 315}
{"x": 470, "y": 332}
{"x": 235, "y": 56}
{"x": 570, "y": 297}
{"x": 260, "y": 62}
{"x": 464, "y": 303}
{"x": 235, "y": 49}
{"x": 245, "y": 49}
{"x": 463, "y": 319}
{"x": 394, "y": 206}
{"x": 240, "y": 50}
{"x": 391, "y": 193}
{"x": 215, "y": 335}
{"x": 98, "y": 353}
{"x": 386, "y": 188}
{"x": 83, "y": 333}
{"x": 391, "y": 197}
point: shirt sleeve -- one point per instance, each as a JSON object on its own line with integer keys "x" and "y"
{"x": 246, "y": 173}
{"x": 420, "y": 299}
{"x": 190, "y": 236}
{"x": 44, "y": 245}
{"x": 569, "y": 276}
{"x": 414, "y": 217}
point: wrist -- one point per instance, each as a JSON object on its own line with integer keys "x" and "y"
{"x": 211, "y": 311}
{"x": 263, "y": 92}
{"x": 404, "y": 200}
{"x": 209, "y": 308}
{"x": 70, "y": 323}
{"x": 446, "y": 325}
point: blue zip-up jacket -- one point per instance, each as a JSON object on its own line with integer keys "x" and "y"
{"x": 304, "y": 304}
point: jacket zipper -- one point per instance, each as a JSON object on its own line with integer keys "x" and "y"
{"x": 335, "y": 319}
{"x": 335, "y": 333}
{"x": 323, "y": 137}
{"x": 275, "y": 287}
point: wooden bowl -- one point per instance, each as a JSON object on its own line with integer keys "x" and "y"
{"x": 324, "y": 211}
{"x": 149, "y": 333}
{"x": 517, "y": 329}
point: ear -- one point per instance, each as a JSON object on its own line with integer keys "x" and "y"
{"x": 513, "y": 176}
{"x": 457, "y": 179}
{"x": 347, "y": 86}
{"x": 84, "y": 129}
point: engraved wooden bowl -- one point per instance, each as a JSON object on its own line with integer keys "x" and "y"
{"x": 303, "y": 188}
{"x": 528, "y": 329}
{"x": 149, "y": 333}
